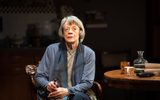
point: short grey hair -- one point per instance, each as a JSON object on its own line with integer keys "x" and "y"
{"x": 71, "y": 19}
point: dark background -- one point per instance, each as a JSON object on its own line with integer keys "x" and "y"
{"x": 127, "y": 25}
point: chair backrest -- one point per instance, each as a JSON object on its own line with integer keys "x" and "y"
{"x": 97, "y": 89}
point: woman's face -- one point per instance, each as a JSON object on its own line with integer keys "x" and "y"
{"x": 71, "y": 32}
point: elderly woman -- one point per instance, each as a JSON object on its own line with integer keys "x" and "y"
{"x": 67, "y": 69}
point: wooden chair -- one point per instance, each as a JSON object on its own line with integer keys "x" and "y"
{"x": 96, "y": 88}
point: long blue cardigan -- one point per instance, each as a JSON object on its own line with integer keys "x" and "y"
{"x": 53, "y": 66}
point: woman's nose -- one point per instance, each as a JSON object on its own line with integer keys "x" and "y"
{"x": 70, "y": 31}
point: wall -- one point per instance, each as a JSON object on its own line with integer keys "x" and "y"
{"x": 126, "y": 20}
{"x": 15, "y": 23}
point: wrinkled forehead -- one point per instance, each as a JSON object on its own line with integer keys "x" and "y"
{"x": 71, "y": 22}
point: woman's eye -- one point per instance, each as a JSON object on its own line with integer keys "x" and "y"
{"x": 66, "y": 29}
{"x": 74, "y": 28}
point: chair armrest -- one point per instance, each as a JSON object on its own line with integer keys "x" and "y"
{"x": 97, "y": 89}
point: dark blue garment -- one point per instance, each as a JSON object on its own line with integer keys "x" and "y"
{"x": 79, "y": 96}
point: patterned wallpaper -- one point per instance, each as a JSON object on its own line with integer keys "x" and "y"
{"x": 27, "y": 6}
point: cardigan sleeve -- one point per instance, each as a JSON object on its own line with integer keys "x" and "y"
{"x": 42, "y": 70}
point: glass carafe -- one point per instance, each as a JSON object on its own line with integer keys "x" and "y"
{"x": 140, "y": 61}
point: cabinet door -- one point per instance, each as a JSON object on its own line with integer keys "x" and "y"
{"x": 15, "y": 83}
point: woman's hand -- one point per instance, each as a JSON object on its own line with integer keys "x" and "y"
{"x": 52, "y": 86}
{"x": 59, "y": 93}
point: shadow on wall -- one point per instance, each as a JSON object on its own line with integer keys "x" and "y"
{"x": 110, "y": 60}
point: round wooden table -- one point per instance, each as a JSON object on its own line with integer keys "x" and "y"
{"x": 117, "y": 80}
